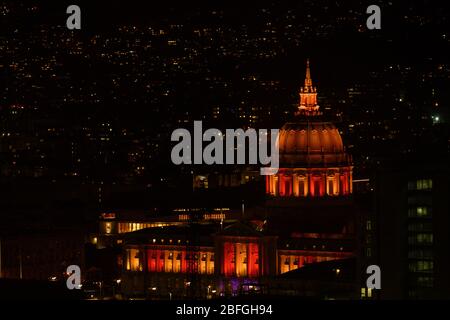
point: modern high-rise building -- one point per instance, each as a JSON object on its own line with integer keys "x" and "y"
{"x": 413, "y": 217}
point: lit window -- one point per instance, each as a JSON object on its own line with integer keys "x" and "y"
{"x": 420, "y": 254}
{"x": 363, "y": 292}
{"x": 421, "y": 266}
{"x": 421, "y": 238}
{"x": 419, "y": 212}
{"x": 422, "y": 211}
{"x": 421, "y": 184}
{"x": 424, "y": 184}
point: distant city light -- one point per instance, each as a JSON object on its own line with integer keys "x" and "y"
{"x": 436, "y": 119}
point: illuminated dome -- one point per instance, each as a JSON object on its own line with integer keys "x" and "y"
{"x": 313, "y": 161}
{"x": 311, "y": 143}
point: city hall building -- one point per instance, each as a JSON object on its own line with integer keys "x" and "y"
{"x": 307, "y": 227}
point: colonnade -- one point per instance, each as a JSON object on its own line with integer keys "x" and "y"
{"x": 310, "y": 182}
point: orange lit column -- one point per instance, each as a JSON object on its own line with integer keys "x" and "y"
{"x": 235, "y": 255}
{"x": 342, "y": 182}
{"x": 311, "y": 184}
{"x": 209, "y": 264}
{"x": 295, "y": 185}
{"x": 306, "y": 186}
{"x": 346, "y": 182}
{"x": 246, "y": 257}
{"x": 168, "y": 262}
{"x": 183, "y": 261}
{"x": 276, "y": 186}
{"x": 154, "y": 259}
{"x": 252, "y": 257}
{"x": 272, "y": 184}
{"x": 228, "y": 265}
{"x": 301, "y": 261}
{"x": 292, "y": 264}
{"x": 336, "y": 183}
{"x": 281, "y": 185}
{"x": 261, "y": 267}
{"x": 151, "y": 263}
{"x": 162, "y": 256}
{"x": 237, "y": 259}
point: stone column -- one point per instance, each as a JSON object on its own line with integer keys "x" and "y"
{"x": 295, "y": 185}
{"x": 276, "y": 185}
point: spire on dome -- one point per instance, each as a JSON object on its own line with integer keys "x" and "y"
{"x": 308, "y": 96}
{"x": 308, "y": 81}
